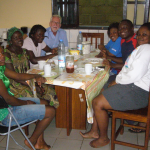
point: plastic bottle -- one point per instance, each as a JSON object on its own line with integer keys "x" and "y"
{"x": 61, "y": 55}
{"x": 79, "y": 42}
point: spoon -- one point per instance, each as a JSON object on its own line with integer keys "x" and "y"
{"x": 47, "y": 60}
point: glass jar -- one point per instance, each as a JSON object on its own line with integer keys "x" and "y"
{"x": 69, "y": 63}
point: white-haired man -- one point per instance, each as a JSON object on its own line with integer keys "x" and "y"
{"x": 54, "y": 33}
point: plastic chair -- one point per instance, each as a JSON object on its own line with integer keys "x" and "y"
{"x": 95, "y": 36}
{"x": 140, "y": 115}
{"x": 8, "y": 130}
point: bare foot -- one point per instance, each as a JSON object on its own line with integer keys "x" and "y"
{"x": 89, "y": 135}
{"x": 42, "y": 145}
{"x": 27, "y": 144}
{"x": 99, "y": 143}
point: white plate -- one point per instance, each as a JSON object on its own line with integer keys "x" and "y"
{"x": 52, "y": 74}
{"x": 94, "y": 60}
{"x": 98, "y": 50}
{"x": 35, "y": 66}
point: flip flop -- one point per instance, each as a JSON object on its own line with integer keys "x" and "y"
{"x": 135, "y": 130}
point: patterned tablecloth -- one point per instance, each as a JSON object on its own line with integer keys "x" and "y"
{"x": 92, "y": 84}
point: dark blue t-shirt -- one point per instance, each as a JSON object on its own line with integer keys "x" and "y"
{"x": 127, "y": 47}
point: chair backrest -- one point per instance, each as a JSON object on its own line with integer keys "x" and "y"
{"x": 99, "y": 38}
{"x": 3, "y": 103}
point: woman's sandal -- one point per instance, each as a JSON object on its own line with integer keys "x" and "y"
{"x": 135, "y": 130}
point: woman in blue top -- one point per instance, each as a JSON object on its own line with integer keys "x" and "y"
{"x": 25, "y": 109}
{"x": 113, "y": 47}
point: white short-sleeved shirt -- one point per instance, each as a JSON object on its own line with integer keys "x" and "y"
{"x": 29, "y": 45}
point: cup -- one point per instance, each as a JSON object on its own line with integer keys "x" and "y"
{"x": 55, "y": 61}
{"x": 41, "y": 64}
{"x": 47, "y": 70}
{"x": 88, "y": 69}
{"x": 70, "y": 63}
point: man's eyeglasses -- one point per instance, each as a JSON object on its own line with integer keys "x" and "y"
{"x": 57, "y": 23}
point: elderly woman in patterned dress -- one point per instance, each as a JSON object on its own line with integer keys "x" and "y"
{"x": 17, "y": 59}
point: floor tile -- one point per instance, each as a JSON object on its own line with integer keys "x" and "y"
{"x": 128, "y": 137}
{"x": 2, "y": 138}
{"x": 64, "y": 144}
{"x": 18, "y": 137}
{"x": 50, "y": 141}
{"x": 58, "y": 139}
{"x": 74, "y": 135}
{"x": 86, "y": 146}
{"x": 120, "y": 147}
{"x": 52, "y": 132}
{"x": 141, "y": 138}
{"x": 3, "y": 148}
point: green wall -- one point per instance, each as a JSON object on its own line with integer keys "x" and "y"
{"x": 100, "y": 12}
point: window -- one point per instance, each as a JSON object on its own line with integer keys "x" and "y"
{"x": 68, "y": 10}
{"x": 137, "y": 11}
{"x": 76, "y": 13}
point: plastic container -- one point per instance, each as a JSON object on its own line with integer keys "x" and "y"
{"x": 74, "y": 51}
{"x": 61, "y": 55}
{"x": 86, "y": 47}
{"x": 79, "y": 42}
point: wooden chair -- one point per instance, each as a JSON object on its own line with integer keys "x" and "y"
{"x": 140, "y": 115}
{"x": 95, "y": 36}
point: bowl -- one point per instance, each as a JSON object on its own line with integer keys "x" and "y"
{"x": 41, "y": 64}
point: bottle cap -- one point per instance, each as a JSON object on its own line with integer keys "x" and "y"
{"x": 80, "y": 32}
{"x": 60, "y": 40}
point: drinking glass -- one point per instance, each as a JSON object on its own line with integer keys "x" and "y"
{"x": 70, "y": 64}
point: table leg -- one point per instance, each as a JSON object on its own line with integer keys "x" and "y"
{"x": 69, "y": 110}
{"x": 61, "y": 111}
{"x": 71, "y": 113}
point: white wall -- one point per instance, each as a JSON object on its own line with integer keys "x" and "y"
{"x": 73, "y": 33}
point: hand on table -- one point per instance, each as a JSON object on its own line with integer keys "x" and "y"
{"x": 100, "y": 55}
{"x": 55, "y": 51}
{"x": 104, "y": 54}
{"x": 106, "y": 62}
{"x": 101, "y": 46}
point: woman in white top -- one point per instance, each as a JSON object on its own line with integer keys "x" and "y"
{"x": 34, "y": 44}
{"x": 129, "y": 91}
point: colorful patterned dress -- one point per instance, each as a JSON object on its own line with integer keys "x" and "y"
{"x": 21, "y": 65}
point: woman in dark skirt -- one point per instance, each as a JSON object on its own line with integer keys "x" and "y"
{"x": 129, "y": 91}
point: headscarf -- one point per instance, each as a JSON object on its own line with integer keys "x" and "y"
{"x": 11, "y": 31}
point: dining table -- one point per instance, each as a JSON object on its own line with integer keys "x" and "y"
{"x": 75, "y": 91}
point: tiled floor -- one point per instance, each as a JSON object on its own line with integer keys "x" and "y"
{"x": 58, "y": 139}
